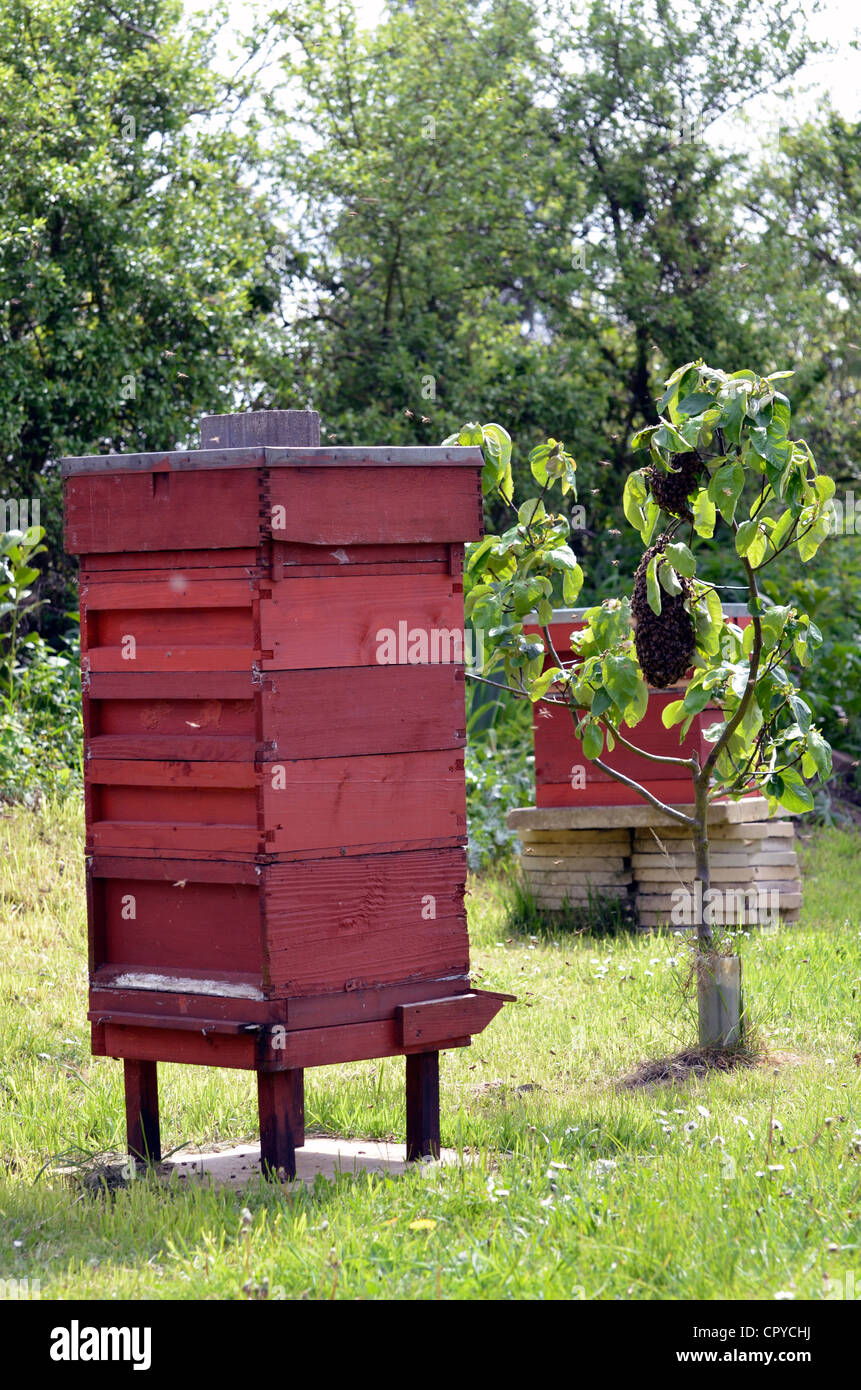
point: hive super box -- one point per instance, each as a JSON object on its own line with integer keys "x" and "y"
{"x": 274, "y": 725}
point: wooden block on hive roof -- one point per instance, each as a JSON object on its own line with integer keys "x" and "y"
{"x": 753, "y": 808}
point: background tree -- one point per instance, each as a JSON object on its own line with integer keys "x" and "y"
{"x": 133, "y": 234}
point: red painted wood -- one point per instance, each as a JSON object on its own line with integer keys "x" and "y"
{"x": 676, "y": 792}
{"x": 369, "y": 709}
{"x": 174, "y": 659}
{"x": 355, "y": 1042}
{"x": 167, "y": 1045}
{"x": 344, "y": 923}
{"x": 427, "y": 1022}
{"x": 110, "y": 1002}
{"x": 132, "y": 511}
{"x": 422, "y": 1086}
{"x": 132, "y": 566}
{"x": 372, "y": 506}
{"x": 142, "y": 1120}
{"x": 300, "y": 1013}
{"x": 281, "y": 1106}
{"x": 229, "y": 1028}
{"x": 200, "y": 924}
{"x": 313, "y": 895}
{"x": 137, "y": 819}
{"x": 169, "y": 461}
{"x": 176, "y": 591}
{"x": 181, "y": 626}
{"x": 365, "y": 1005}
{"x": 191, "y": 747}
{"x": 352, "y": 801}
{"x": 313, "y": 623}
{"x": 148, "y": 686}
{"x": 558, "y": 751}
{"x": 343, "y": 559}
{"x": 123, "y": 773}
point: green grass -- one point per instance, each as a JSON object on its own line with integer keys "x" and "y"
{"x": 578, "y": 1188}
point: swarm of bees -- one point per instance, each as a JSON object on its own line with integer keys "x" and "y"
{"x": 664, "y": 641}
{"x": 672, "y": 490}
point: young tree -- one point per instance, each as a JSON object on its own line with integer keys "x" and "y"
{"x": 720, "y": 454}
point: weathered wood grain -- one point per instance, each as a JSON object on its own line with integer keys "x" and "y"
{"x": 372, "y": 506}
{"x": 313, "y": 623}
{"x": 344, "y": 923}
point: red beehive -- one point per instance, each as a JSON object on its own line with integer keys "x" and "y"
{"x": 564, "y": 776}
{"x": 272, "y": 658}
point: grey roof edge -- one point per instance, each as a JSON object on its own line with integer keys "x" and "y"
{"x": 191, "y": 460}
{"x": 575, "y": 615}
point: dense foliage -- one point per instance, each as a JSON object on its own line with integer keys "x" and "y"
{"x": 477, "y": 209}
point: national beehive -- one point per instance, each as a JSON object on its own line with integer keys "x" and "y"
{"x": 273, "y": 681}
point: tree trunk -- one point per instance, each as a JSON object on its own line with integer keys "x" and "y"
{"x": 719, "y": 995}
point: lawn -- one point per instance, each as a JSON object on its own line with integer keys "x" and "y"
{"x": 577, "y": 1186}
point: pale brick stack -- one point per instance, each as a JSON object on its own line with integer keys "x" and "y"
{"x": 569, "y": 854}
{"x": 569, "y": 865}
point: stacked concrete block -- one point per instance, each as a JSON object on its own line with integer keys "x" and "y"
{"x": 642, "y": 858}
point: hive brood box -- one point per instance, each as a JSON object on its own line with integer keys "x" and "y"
{"x": 273, "y": 676}
{"x": 564, "y": 776}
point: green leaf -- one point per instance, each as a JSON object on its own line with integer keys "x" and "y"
{"x": 725, "y": 488}
{"x": 695, "y": 698}
{"x": 794, "y": 796}
{"x": 669, "y": 579}
{"x": 531, "y": 510}
{"x": 695, "y": 403}
{"x": 653, "y": 513}
{"x": 539, "y": 687}
{"x": 704, "y": 514}
{"x": 820, "y": 753}
{"x": 751, "y": 541}
{"x": 673, "y": 713}
{"x": 668, "y": 437}
{"x": 621, "y": 678}
{"x": 809, "y": 540}
{"x": 572, "y": 583}
{"x": 593, "y": 741}
{"x": 634, "y": 499}
{"x": 781, "y": 530}
{"x": 732, "y": 416}
{"x": 681, "y": 558}
{"x": 773, "y": 622}
{"x": 653, "y": 588}
{"x": 643, "y": 438}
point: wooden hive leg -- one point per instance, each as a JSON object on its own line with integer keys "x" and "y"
{"x": 281, "y": 1103}
{"x": 142, "y": 1126}
{"x": 422, "y": 1105}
